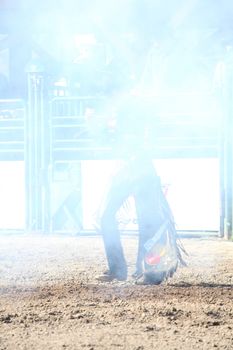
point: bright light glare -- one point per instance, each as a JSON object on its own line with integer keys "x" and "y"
{"x": 12, "y": 199}
{"x": 193, "y": 191}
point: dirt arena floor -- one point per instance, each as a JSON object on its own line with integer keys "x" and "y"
{"x": 50, "y": 298}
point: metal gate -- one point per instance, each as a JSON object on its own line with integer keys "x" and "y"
{"x": 12, "y": 129}
{"x": 71, "y": 142}
{"x": 74, "y": 137}
{"x": 54, "y": 137}
{"x": 12, "y": 158}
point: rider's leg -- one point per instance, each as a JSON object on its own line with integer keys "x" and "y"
{"x": 118, "y": 193}
{"x": 148, "y": 214}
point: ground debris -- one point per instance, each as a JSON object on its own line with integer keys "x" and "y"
{"x": 60, "y": 305}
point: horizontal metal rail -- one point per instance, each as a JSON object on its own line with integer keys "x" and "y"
{"x": 12, "y": 129}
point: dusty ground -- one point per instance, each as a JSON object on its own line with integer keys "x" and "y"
{"x": 50, "y": 298}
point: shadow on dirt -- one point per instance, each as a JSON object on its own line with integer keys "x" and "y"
{"x": 202, "y": 284}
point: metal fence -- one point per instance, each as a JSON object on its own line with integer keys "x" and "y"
{"x": 12, "y": 129}
{"x": 53, "y": 137}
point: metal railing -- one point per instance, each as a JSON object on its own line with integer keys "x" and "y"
{"x": 53, "y": 137}
{"x": 12, "y": 129}
{"x": 171, "y": 134}
{"x": 72, "y": 135}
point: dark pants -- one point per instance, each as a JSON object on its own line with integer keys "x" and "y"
{"x": 138, "y": 179}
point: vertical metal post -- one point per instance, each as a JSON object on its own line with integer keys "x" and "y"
{"x": 221, "y": 181}
{"x": 51, "y": 108}
{"x": 223, "y": 102}
{"x": 226, "y": 159}
{"x": 36, "y": 150}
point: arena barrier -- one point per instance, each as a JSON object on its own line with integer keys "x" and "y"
{"x": 56, "y": 137}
